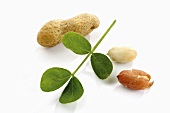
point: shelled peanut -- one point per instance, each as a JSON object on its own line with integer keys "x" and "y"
{"x": 122, "y": 54}
{"x": 135, "y": 79}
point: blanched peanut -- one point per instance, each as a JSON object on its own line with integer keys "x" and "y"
{"x": 122, "y": 54}
{"x": 135, "y": 79}
{"x": 50, "y": 34}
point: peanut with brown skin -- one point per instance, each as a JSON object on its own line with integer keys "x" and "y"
{"x": 135, "y": 79}
{"x": 50, "y": 34}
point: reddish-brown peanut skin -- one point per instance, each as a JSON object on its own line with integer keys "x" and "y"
{"x": 135, "y": 79}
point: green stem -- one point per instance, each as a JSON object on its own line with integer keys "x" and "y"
{"x": 97, "y": 44}
{"x": 81, "y": 64}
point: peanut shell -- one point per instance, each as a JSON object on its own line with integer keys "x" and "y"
{"x": 51, "y": 33}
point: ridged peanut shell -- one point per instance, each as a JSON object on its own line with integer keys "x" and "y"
{"x": 51, "y": 33}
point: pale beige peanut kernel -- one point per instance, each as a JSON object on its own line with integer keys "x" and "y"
{"x": 135, "y": 79}
{"x": 122, "y": 54}
{"x": 51, "y": 33}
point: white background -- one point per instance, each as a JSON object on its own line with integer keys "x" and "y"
{"x": 143, "y": 25}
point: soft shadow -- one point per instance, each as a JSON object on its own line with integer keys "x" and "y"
{"x": 118, "y": 67}
{"x": 129, "y": 93}
{"x": 94, "y": 36}
{"x": 65, "y": 108}
{"x": 110, "y": 80}
{"x": 88, "y": 71}
{"x": 87, "y": 37}
{"x": 52, "y": 50}
{"x": 57, "y": 54}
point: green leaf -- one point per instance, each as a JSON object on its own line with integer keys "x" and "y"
{"x": 54, "y": 78}
{"x": 101, "y": 65}
{"x": 73, "y": 91}
{"x": 76, "y": 42}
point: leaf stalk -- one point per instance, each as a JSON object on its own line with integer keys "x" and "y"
{"x": 94, "y": 48}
